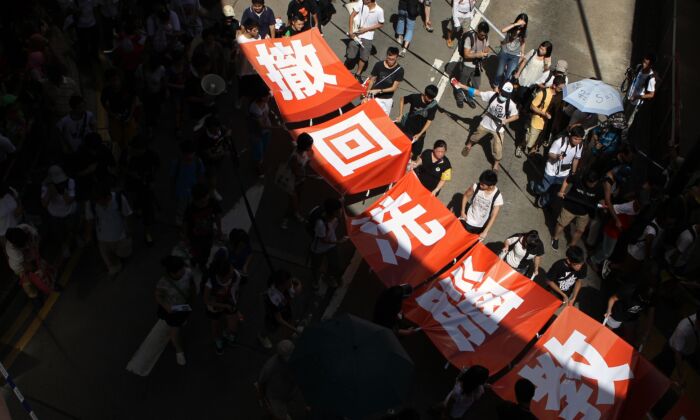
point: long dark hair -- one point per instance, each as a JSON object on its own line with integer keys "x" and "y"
{"x": 473, "y": 377}
{"x": 548, "y": 48}
{"x": 519, "y": 31}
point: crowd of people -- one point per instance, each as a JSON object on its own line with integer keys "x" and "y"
{"x": 98, "y": 177}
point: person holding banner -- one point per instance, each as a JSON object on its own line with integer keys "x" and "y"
{"x": 291, "y": 176}
{"x": 421, "y": 114}
{"x": 565, "y": 275}
{"x": 524, "y": 251}
{"x": 481, "y": 204}
{"x": 386, "y": 77}
{"x": 468, "y": 388}
{"x": 365, "y": 18}
{"x": 625, "y": 308}
{"x": 433, "y": 167}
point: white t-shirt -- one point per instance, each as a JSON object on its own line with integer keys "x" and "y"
{"x": 244, "y": 66}
{"x": 684, "y": 340}
{"x": 517, "y": 252}
{"x": 559, "y": 147}
{"x": 86, "y": 14}
{"x": 58, "y": 207}
{"x": 684, "y": 245}
{"x": 324, "y": 230}
{"x": 8, "y": 206}
{"x": 258, "y": 111}
{"x": 637, "y": 248}
{"x": 367, "y": 17}
{"x": 462, "y": 402}
{"x": 6, "y": 147}
{"x": 111, "y": 225}
{"x": 498, "y": 109}
{"x": 480, "y": 209}
{"x": 548, "y": 83}
{"x": 642, "y": 83}
{"x": 74, "y": 131}
{"x": 462, "y": 9}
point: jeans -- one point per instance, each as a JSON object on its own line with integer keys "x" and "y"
{"x": 404, "y": 26}
{"x": 604, "y": 250}
{"x": 542, "y": 188}
{"x": 258, "y": 145}
{"x": 507, "y": 65}
{"x": 466, "y": 76}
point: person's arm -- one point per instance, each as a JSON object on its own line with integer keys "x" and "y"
{"x": 283, "y": 322}
{"x": 541, "y": 112}
{"x": 577, "y": 288}
{"x": 351, "y": 19}
{"x": 465, "y": 199}
{"x": 520, "y": 22}
{"x": 536, "y": 264}
{"x": 611, "y": 303}
{"x": 401, "y": 104}
{"x": 556, "y": 288}
{"x": 418, "y": 162}
{"x": 422, "y": 131}
{"x": 370, "y": 83}
{"x": 391, "y": 89}
{"x": 491, "y": 221}
{"x": 315, "y": 17}
{"x": 510, "y": 241}
{"x": 607, "y": 189}
{"x": 470, "y": 90}
{"x": 161, "y": 299}
{"x": 438, "y": 187}
{"x": 563, "y": 188}
{"x": 369, "y": 28}
{"x": 574, "y": 166}
{"x": 511, "y": 119}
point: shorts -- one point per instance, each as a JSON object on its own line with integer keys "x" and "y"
{"x": 473, "y": 229}
{"x": 496, "y": 141}
{"x": 460, "y": 22}
{"x": 532, "y": 135}
{"x": 215, "y": 316}
{"x": 173, "y": 319}
{"x": 566, "y": 217}
{"x": 386, "y": 104}
{"x": 354, "y": 51}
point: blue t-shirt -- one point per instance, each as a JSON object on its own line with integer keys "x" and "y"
{"x": 265, "y": 19}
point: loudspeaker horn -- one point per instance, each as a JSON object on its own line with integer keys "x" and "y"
{"x": 213, "y": 84}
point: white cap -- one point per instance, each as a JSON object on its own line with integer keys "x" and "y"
{"x": 506, "y": 89}
{"x": 228, "y": 11}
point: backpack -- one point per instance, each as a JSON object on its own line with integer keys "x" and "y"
{"x": 471, "y": 34}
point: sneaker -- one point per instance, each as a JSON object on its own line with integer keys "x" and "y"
{"x": 555, "y": 244}
{"x": 359, "y": 78}
{"x": 265, "y": 342}
{"x": 460, "y": 104}
{"x": 217, "y": 196}
{"x": 399, "y": 39}
{"x": 605, "y": 271}
{"x": 450, "y": 43}
{"x": 403, "y": 51}
{"x": 230, "y": 338}
{"x": 180, "y": 359}
{"x": 429, "y": 28}
{"x": 454, "y": 82}
{"x": 219, "y": 344}
{"x": 518, "y": 152}
{"x": 465, "y": 150}
{"x": 471, "y": 103}
{"x": 285, "y": 224}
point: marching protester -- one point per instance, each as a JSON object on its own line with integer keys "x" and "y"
{"x": 408, "y": 11}
{"x": 468, "y": 388}
{"x": 523, "y": 252}
{"x": 308, "y": 9}
{"x": 10, "y": 211}
{"x": 642, "y": 86}
{"x": 473, "y": 48}
{"x": 540, "y": 115}
{"x": 292, "y": 175}
{"x": 417, "y": 120}
{"x": 385, "y": 79}
{"x": 433, "y": 167}
{"x": 481, "y": 203}
{"x": 565, "y": 276}
{"x": 26, "y": 262}
{"x": 462, "y": 14}
{"x": 682, "y": 344}
{"x": 174, "y": 295}
{"x": 579, "y": 204}
{"x": 365, "y": 18}
{"x": 263, "y": 15}
{"x": 58, "y": 197}
{"x": 625, "y": 308}
{"x": 276, "y": 385}
{"x": 512, "y": 50}
{"x": 324, "y": 246}
{"x": 221, "y": 292}
{"x": 260, "y": 129}
{"x": 76, "y": 125}
{"x": 279, "y": 320}
{"x": 535, "y": 63}
{"x": 500, "y": 111}
{"x": 519, "y": 410}
{"x": 296, "y": 26}
{"x": 202, "y": 224}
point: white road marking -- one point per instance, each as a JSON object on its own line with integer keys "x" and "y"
{"x": 237, "y": 217}
{"x": 444, "y": 80}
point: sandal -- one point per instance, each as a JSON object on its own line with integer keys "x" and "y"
{"x": 467, "y": 148}
{"x": 429, "y": 27}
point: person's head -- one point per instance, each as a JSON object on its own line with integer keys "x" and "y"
{"x": 576, "y": 135}
{"x": 545, "y": 49}
{"x": 297, "y": 22}
{"x": 439, "y": 149}
{"x": 77, "y": 104}
{"x": 238, "y": 238}
{"x": 369, "y": 2}
{"x": 505, "y": 92}
{"x": 55, "y": 175}
{"x": 524, "y": 391}
{"x": 559, "y": 82}
{"x": 331, "y": 207}
{"x": 575, "y": 257}
{"x": 482, "y": 30}
{"x": 531, "y": 240}
{"x": 561, "y": 67}
{"x": 648, "y": 61}
{"x": 304, "y": 142}
{"x": 520, "y": 30}
{"x": 251, "y": 28}
{"x": 392, "y": 55}
{"x": 17, "y": 237}
{"x": 174, "y": 266}
{"x": 281, "y": 279}
{"x": 258, "y": 5}
{"x": 472, "y": 378}
{"x": 430, "y": 93}
{"x": 488, "y": 180}
{"x": 285, "y": 348}
{"x": 224, "y": 272}
{"x": 200, "y": 195}
{"x": 187, "y": 149}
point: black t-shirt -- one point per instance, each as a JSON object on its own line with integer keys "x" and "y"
{"x": 385, "y": 78}
{"x": 564, "y": 276}
{"x": 429, "y": 172}
{"x": 305, "y": 9}
{"x": 582, "y": 199}
{"x": 630, "y": 304}
{"x": 419, "y": 112}
{"x": 509, "y": 410}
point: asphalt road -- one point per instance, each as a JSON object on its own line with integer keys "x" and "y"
{"x": 74, "y": 366}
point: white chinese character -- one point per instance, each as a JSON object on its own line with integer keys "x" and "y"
{"x": 353, "y": 143}
{"x": 400, "y": 223}
{"x": 295, "y": 68}
{"x": 549, "y": 378}
{"x": 480, "y": 305}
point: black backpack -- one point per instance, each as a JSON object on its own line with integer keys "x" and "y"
{"x": 493, "y": 199}
{"x": 471, "y": 34}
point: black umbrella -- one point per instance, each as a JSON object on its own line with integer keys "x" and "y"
{"x": 351, "y": 367}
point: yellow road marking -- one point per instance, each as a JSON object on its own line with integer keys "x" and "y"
{"x": 48, "y": 305}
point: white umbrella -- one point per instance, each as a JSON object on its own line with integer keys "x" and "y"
{"x": 593, "y": 96}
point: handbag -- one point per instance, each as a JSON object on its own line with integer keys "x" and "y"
{"x": 285, "y": 178}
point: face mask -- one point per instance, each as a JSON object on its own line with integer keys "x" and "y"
{"x": 501, "y": 98}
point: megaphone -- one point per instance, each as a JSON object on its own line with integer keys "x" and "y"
{"x": 213, "y": 84}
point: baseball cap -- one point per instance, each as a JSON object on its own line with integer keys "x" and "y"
{"x": 562, "y": 66}
{"x": 228, "y": 11}
{"x": 506, "y": 89}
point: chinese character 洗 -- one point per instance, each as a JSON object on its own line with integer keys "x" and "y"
{"x": 400, "y": 223}
{"x": 295, "y": 68}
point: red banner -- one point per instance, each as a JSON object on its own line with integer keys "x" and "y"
{"x": 408, "y": 235}
{"x": 306, "y": 77}
{"x": 359, "y": 150}
{"x": 685, "y": 409}
{"x": 582, "y": 370}
{"x": 481, "y": 311}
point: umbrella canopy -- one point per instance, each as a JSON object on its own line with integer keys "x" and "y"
{"x": 593, "y": 96}
{"x": 351, "y": 367}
